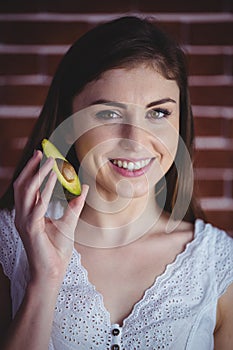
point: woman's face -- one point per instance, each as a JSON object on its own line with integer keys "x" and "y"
{"x": 130, "y": 123}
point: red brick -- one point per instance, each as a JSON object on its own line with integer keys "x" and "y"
{"x": 24, "y": 6}
{"x": 10, "y": 131}
{"x": 15, "y": 127}
{"x": 9, "y": 156}
{"x": 23, "y": 94}
{"x": 220, "y": 218}
{"x": 207, "y": 64}
{"x": 226, "y": 128}
{"x": 16, "y": 64}
{"x": 90, "y": 6}
{"x": 52, "y": 62}
{"x": 229, "y": 128}
{"x": 214, "y": 158}
{"x": 68, "y": 6}
{"x": 209, "y": 188}
{"x": 208, "y": 126}
{"x": 215, "y": 33}
{"x": 183, "y": 6}
{"x": 29, "y": 63}
{"x": 17, "y": 32}
{"x": 212, "y": 95}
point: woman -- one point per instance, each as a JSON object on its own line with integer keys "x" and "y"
{"x": 132, "y": 268}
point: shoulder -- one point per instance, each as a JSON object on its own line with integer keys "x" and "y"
{"x": 220, "y": 245}
{"x": 219, "y": 240}
{"x": 215, "y": 254}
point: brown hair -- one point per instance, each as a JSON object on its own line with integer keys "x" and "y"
{"x": 123, "y": 42}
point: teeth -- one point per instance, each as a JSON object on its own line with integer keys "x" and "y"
{"x": 131, "y": 166}
{"x": 125, "y": 164}
{"x": 137, "y": 165}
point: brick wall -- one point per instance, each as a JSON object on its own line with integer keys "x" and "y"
{"x": 34, "y": 36}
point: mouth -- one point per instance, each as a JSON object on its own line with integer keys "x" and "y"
{"x": 131, "y": 166}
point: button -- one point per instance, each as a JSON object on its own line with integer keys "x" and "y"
{"x": 115, "y": 332}
{"x": 115, "y": 347}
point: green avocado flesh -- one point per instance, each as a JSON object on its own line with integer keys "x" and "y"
{"x": 65, "y": 172}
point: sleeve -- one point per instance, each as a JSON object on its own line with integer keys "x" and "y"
{"x": 9, "y": 242}
{"x": 223, "y": 261}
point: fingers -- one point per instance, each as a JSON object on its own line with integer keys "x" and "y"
{"x": 45, "y": 196}
{"x": 74, "y": 208}
{"x": 28, "y": 184}
{"x": 67, "y": 223}
{"x": 30, "y": 168}
{"x": 32, "y": 203}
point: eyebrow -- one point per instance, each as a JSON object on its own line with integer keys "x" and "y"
{"x": 160, "y": 102}
{"x": 109, "y": 103}
{"x": 124, "y": 106}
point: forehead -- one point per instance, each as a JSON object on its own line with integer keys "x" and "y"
{"x": 140, "y": 85}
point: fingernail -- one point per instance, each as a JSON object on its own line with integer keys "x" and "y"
{"x": 53, "y": 174}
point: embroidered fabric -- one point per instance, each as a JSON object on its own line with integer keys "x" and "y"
{"x": 177, "y": 312}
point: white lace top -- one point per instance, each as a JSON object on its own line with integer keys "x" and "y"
{"x": 177, "y": 312}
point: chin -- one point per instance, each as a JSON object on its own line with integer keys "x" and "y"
{"x": 127, "y": 189}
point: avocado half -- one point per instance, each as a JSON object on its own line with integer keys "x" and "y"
{"x": 66, "y": 174}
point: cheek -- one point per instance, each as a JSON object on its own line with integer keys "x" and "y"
{"x": 166, "y": 144}
{"x": 168, "y": 137}
{"x": 93, "y": 145}
{"x": 86, "y": 143}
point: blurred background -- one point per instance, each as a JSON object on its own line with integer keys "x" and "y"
{"x": 35, "y": 34}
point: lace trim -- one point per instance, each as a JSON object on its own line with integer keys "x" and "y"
{"x": 157, "y": 320}
{"x": 145, "y": 320}
{"x": 158, "y": 280}
{"x": 9, "y": 240}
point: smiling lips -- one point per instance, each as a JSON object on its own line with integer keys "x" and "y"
{"x": 131, "y": 166}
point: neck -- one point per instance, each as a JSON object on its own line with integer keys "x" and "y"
{"x": 108, "y": 224}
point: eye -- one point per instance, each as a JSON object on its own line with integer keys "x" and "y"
{"x": 108, "y": 115}
{"x": 157, "y": 113}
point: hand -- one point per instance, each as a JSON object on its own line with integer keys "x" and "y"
{"x": 48, "y": 243}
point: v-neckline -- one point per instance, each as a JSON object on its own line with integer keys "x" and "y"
{"x": 198, "y": 227}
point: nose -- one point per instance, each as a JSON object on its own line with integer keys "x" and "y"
{"x": 132, "y": 138}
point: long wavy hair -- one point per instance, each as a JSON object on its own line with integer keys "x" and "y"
{"x": 123, "y": 42}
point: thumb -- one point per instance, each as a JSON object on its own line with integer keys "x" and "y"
{"x": 74, "y": 208}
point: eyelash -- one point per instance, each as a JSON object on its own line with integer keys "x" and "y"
{"x": 112, "y": 115}
{"x": 108, "y": 114}
{"x": 165, "y": 113}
